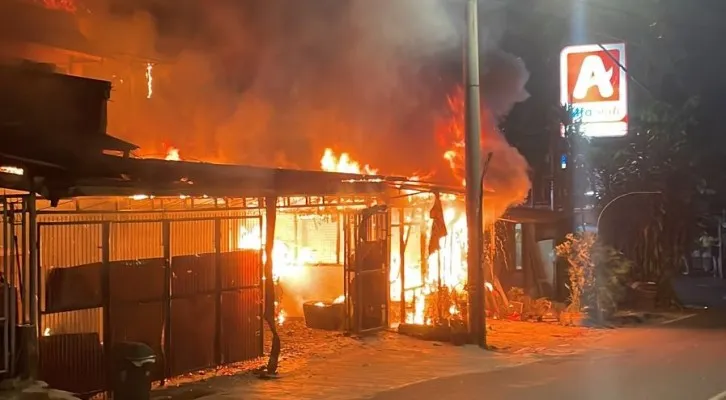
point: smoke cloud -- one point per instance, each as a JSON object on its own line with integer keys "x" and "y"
{"x": 275, "y": 82}
{"x": 507, "y": 181}
{"x": 238, "y": 81}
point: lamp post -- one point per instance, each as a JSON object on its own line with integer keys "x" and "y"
{"x": 599, "y": 217}
{"x": 598, "y": 309}
{"x": 472, "y": 148}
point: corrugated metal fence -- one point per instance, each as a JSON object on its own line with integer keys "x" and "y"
{"x": 176, "y": 281}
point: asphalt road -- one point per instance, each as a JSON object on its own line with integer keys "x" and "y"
{"x": 685, "y": 360}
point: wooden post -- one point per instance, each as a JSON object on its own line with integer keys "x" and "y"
{"x": 270, "y": 220}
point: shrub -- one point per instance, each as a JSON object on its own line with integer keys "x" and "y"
{"x": 597, "y": 273}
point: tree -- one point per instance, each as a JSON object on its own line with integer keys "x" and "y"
{"x": 675, "y": 145}
{"x": 655, "y": 231}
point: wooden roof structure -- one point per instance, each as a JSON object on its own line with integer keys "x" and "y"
{"x": 120, "y": 176}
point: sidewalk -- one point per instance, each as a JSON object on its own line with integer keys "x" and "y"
{"x": 379, "y": 364}
{"x": 360, "y": 368}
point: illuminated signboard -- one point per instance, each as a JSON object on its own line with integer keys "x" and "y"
{"x": 595, "y": 87}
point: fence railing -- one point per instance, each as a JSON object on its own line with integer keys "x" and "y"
{"x": 176, "y": 282}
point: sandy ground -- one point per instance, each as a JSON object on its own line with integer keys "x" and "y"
{"x": 535, "y": 337}
{"x": 300, "y": 344}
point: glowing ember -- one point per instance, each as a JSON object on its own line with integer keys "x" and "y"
{"x": 343, "y": 163}
{"x": 149, "y": 80}
{"x": 172, "y": 154}
{"x": 69, "y": 6}
{"x": 9, "y": 169}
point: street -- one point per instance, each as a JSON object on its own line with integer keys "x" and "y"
{"x": 682, "y": 360}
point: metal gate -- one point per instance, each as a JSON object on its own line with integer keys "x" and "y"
{"x": 184, "y": 283}
{"x": 367, "y": 257}
{"x": 13, "y": 282}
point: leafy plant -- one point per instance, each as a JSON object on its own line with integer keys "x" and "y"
{"x": 576, "y": 249}
{"x": 597, "y": 273}
{"x": 612, "y": 272}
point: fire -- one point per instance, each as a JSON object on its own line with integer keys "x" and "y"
{"x": 9, "y": 169}
{"x": 149, "y": 80}
{"x": 444, "y": 271}
{"x": 172, "y": 154}
{"x": 507, "y": 181}
{"x": 287, "y": 264}
{"x": 451, "y": 136}
{"x": 339, "y": 300}
{"x": 343, "y": 163}
{"x": 435, "y": 287}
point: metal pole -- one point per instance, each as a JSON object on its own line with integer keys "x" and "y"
{"x": 473, "y": 171}
{"x": 402, "y": 263}
{"x": 598, "y": 310}
{"x": 33, "y": 268}
{"x": 602, "y": 212}
{"x": 720, "y": 245}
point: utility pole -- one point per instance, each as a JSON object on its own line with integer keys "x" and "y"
{"x": 472, "y": 146}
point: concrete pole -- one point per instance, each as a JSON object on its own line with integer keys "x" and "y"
{"x": 472, "y": 143}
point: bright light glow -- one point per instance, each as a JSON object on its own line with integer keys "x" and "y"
{"x": 595, "y": 87}
{"x": 343, "y": 163}
{"x": 9, "y": 169}
{"x": 149, "y": 80}
{"x": 172, "y": 154}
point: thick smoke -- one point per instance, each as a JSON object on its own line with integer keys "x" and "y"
{"x": 237, "y": 81}
{"x": 507, "y": 180}
{"x": 274, "y": 82}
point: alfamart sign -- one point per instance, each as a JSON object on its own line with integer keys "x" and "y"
{"x": 595, "y": 86}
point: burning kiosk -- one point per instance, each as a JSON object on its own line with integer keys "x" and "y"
{"x": 171, "y": 253}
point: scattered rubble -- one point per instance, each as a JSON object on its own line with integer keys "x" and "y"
{"x": 298, "y": 344}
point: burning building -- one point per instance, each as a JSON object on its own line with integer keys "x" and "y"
{"x": 151, "y": 245}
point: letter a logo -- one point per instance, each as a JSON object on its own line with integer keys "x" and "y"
{"x": 593, "y": 73}
{"x": 593, "y": 76}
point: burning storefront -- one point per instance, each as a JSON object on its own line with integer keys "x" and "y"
{"x": 347, "y": 247}
{"x": 190, "y": 258}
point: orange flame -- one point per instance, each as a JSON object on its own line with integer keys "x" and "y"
{"x": 343, "y": 163}
{"x": 451, "y": 135}
{"x": 172, "y": 154}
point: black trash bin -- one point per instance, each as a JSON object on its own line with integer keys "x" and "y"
{"x": 132, "y": 371}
